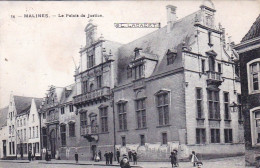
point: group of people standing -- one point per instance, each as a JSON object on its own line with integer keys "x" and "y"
{"x": 132, "y": 155}
{"x": 109, "y": 157}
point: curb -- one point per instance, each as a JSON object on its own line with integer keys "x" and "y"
{"x": 85, "y": 164}
{"x": 14, "y": 161}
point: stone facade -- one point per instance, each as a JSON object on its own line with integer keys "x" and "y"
{"x": 174, "y": 88}
{"x": 249, "y": 60}
{"x": 178, "y": 61}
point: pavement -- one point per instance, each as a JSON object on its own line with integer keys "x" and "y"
{"x": 230, "y": 162}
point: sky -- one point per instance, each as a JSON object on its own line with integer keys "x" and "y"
{"x": 38, "y": 52}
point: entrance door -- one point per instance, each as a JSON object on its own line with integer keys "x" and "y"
{"x": 94, "y": 150}
{"x": 53, "y": 143}
{"x": 4, "y": 148}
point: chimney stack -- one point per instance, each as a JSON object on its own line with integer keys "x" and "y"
{"x": 171, "y": 16}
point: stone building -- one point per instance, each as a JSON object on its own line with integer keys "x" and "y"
{"x": 3, "y": 132}
{"x": 49, "y": 119}
{"x": 175, "y": 89}
{"x": 80, "y": 117}
{"x": 95, "y": 80}
{"x": 249, "y": 60}
{"x": 20, "y": 135}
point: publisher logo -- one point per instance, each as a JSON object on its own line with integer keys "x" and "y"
{"x": 137, "y": 25}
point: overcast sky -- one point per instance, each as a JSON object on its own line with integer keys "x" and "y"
{"x": 38, "y": 52}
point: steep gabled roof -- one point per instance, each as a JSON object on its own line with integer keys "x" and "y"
{"x": 38, "y": 102}
{"x": 158, "y": 43}
{"x": 68, "y": 93}
{"x": 23, "y": 104}
{"x": 254, "y": 31}
{"x": 3, "y": 116}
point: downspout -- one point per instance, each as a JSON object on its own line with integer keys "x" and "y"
{"x": 40, "y": 133}
{"x": 114, "y": 124}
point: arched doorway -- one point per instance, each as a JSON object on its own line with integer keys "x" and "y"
{"x": 53, "y": 143}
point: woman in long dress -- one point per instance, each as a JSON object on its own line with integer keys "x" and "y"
{"x": 194, "y": 158}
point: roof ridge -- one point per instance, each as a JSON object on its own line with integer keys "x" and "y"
{"x": 177, "y": 21}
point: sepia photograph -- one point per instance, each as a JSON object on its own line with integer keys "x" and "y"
{"x": 142, "y": 84}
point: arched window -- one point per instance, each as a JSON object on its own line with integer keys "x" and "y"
{"x": 253, "y": 69}
{"x": 255, "y": 126}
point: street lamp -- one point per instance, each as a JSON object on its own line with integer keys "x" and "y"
{"x": 233, "y": 107}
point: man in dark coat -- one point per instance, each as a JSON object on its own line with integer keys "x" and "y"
{"x": 99, "y": 154}
{"x": 117, "y": 155}
{"x": 130, "y": 155}
{"x": 29, "y": 155}
{"x": 46, "y": 156}
{"x": 111, "y": 157}
{"x": 135, "y": 157}
{"x": 106, "y": 155}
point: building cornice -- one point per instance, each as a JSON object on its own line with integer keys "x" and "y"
{"x": 248, "y": 45}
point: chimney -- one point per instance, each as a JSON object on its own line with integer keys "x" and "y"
{"x": 171, "y": 16}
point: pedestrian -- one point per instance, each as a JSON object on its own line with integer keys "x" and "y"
{"x": 173, "y": 159}
{"x": 130, "y": 155}
{"x": 97, "y": 158}
{"x": 29, "y": 155}
{"x": 46, "y": 156}
{"x": 100, "y": 154}
{"x": 111, "y": 157}
{"x": 117, "y": 155}
{"x": 76, "y": 157}
{"x": 194, "y": 158}
{"x": 106, "y": 155}
{"x": 134, "y": 154}
{"x": 124, "y": 163}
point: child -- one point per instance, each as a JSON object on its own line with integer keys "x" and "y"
{"x": 194, "y": 158}
{"x": 199, "y": 164}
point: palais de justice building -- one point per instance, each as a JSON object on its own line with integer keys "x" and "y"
{"x": 174, "y": 88}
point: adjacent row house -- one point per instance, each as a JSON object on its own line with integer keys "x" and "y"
{"x": 249, "y": 52}
{"x": 22, "y": 130}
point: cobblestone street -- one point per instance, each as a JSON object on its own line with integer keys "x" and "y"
{"x": 233, "y": 162}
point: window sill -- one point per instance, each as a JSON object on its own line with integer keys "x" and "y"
{"x": 141, "y": 128}
{"x": 122, "y": 130}
{"x": 104, "y": 132}
{"x": 214, "y": 119}
{"x": 200, "y": 118}
{"x": 229, "y": 120}
{"x": 254, "y": 92}
{"x": 160, "y": 126}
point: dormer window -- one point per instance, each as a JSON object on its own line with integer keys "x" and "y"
{"x": 139, "y": 71}
{"x": 170, "y": 57}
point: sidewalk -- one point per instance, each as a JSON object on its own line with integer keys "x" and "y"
{"x": 230, "y": 162}
{"x": 72, "y": 162}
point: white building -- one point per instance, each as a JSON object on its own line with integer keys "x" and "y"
{"x": 20, "y": 127}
